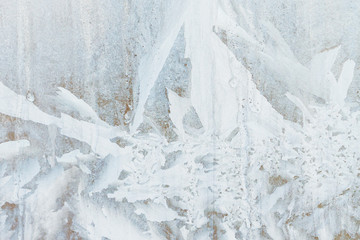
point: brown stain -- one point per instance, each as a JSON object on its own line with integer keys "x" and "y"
{"x": 345, "y": 191}
{"x": 320, "y": 205}
{"x": 15, "y": 223}
{"x": 182, "y": 212}
{"x": 212, "y": 216}
{"x": 264, "y": 233}
{"x": 291, "y": 219}
{"x": 73, "y": 86}
{"x": 215, "y": 232}
{"x": 164, "y": 126}
{"x": 70, "y": 233}
{"x": 9, "y": 206}
{"x": 11, "y": 211}
{"x": 344, "y": 235}
{"x": 308, "y": 214}
{"x": 277, "y": 181}
{"x": 101, "y": 101}
{"x": 11, "y": 135}
{"x": 7, "y": 119}
{"x": 120, "y": 102}
{"x": 168, "y": 232}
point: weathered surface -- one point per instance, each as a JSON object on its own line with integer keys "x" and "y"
{"x": 206, "y": 119}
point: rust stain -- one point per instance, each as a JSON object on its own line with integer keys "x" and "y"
{"x": 344, "y": 235}
{"x": 70, "y": 233}
{"x": 215, "y": 232}
{"x": 11, "y": 209}
{"x": 320, "y": 205}
{"x": 277, "y": 181}
{"x": 291, "y": 219}
{"x": 11, "y": 135}
{"x": 9, "y": 206}
{"x": 168, "y": 232}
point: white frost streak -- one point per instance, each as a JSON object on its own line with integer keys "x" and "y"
{"x": 178, "y": 108}
{"x": 300, "y": 105}
{"x": 96, "y": 136}
{"x": 340, "y": 88}
{"x": 70, "y": 100}
{"x": 220, "y": 82}
{"x": 12, "y": 148}
{"x": 153, "y": 62}
{"x": 15, "y": 105}
{"x": 199, "y": 36}
{"x": 89, "y": 133}
{"x": 320, "y": 72}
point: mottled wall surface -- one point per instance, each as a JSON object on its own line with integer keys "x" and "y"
{"x": 160, "y": 119}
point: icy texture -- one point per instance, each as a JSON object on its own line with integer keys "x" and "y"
{"x": 165, "y": 119}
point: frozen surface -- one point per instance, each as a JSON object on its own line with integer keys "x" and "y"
{"x": 165, "y": 119}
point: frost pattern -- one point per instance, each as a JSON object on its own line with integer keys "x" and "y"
{"x": 236, "y": 168}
